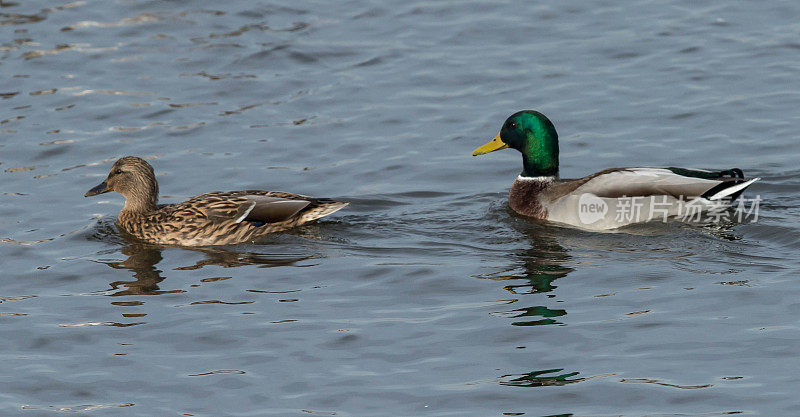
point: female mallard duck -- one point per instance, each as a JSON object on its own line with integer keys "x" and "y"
{"x": 218, "y": 218}
{"x": 608, "y": 199}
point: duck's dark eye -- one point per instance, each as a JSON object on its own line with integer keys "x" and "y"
{"x": 117, "y": 172}
{"x": 512, "y": 125}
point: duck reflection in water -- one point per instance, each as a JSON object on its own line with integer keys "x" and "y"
{"x": 543, "y": 378}
{"x": 537, "y": 267}
{"x": 142, "y": 259}
{"x": 532, "y": 277}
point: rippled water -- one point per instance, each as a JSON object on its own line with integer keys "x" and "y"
{"x": 426, "y": 296}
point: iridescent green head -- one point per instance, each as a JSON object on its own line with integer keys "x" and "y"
{"x": 531, "y": 133}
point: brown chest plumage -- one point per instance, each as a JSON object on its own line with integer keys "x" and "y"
{"x": 524, "y": 197}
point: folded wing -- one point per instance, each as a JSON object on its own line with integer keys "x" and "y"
{"x": 241, "y": 207}
{"x": 673, "y": 182}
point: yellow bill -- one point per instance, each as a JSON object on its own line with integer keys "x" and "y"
{"x": 494, "y": 145}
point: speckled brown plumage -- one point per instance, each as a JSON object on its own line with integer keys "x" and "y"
{"x": 217, "y": 218}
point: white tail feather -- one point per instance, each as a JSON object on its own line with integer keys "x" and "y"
{"x": 732, "y": 190}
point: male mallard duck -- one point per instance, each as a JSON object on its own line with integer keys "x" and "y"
{"x": 610, "y": 198}
{"x": 218, "y": 218}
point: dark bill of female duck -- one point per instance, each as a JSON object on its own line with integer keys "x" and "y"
{"x": 98, "y": 189}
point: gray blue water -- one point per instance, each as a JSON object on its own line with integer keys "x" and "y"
{"x": 426, "y": 296}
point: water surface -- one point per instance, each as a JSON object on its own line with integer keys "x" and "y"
{"x": 426, "y": 296}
